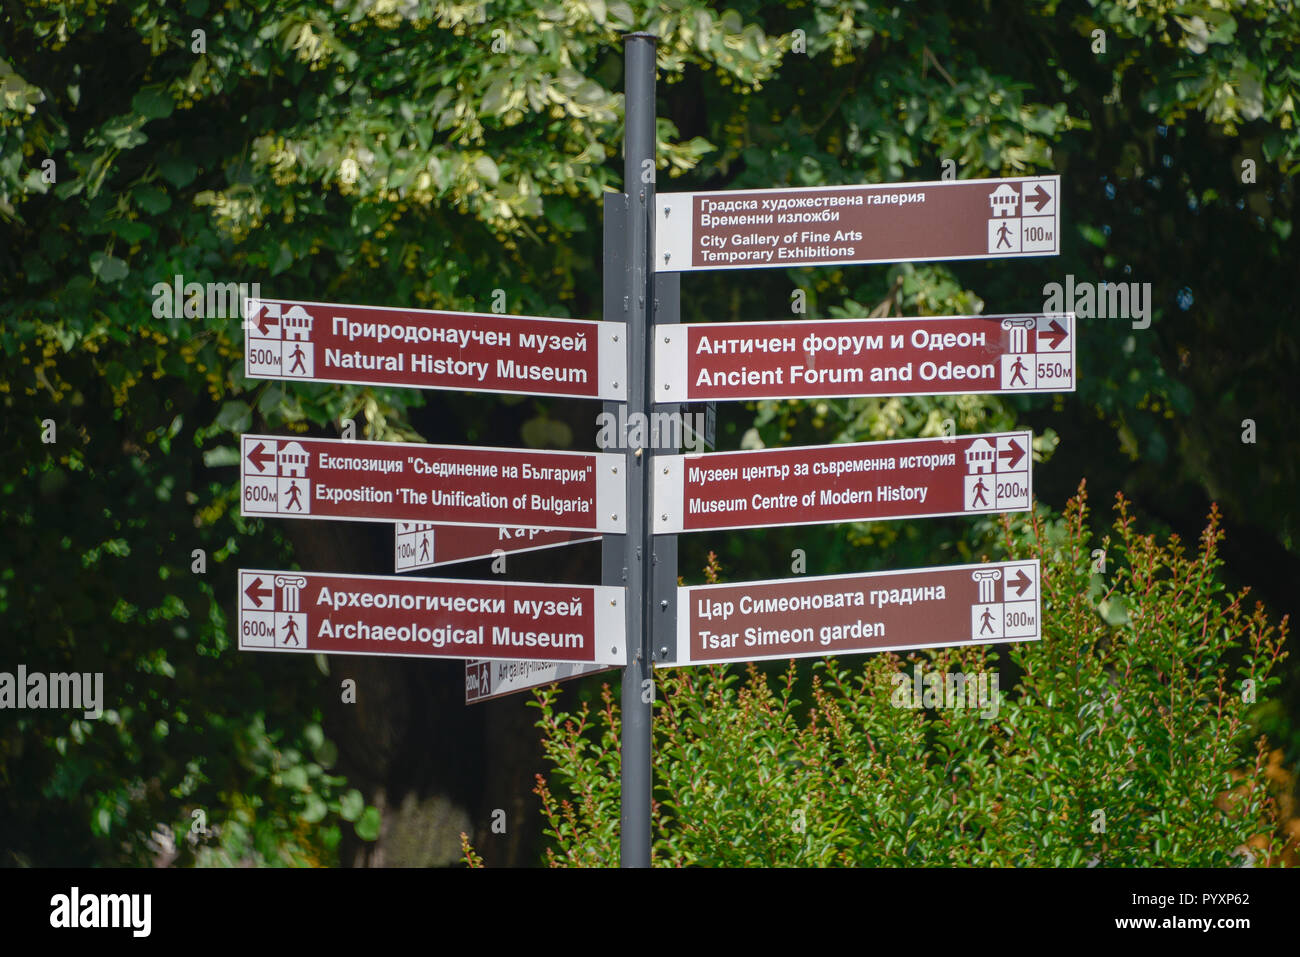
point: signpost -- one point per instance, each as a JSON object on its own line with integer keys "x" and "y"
{"x": 815, "y": 485}
{"x": 450, "y": 484}
{"x": 466, "y": 351}
{"x": 845, "y": 225}
{"x": 429, "y": 617}
{"x": 854, "y": 614}
{"x": 495, "y": 679}
{"x": 427, "y": 545}
{"x": 805, "y": 359}
{"x": 453, "y": 503}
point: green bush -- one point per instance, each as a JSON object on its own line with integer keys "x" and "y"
{"x": 1125, "y": 738}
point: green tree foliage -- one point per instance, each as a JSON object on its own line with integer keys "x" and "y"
{"x": 419, "y": 153}
{"x": 110, "y": 564}
{"x": 1125, "y": 741}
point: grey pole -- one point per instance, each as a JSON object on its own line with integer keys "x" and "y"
{"x": 638, "y": 676}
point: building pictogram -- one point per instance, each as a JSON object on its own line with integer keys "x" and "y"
{"x": 979, "y": 457}
{"x": 290, "y": 586}
{"x": 986, "y": 579}
{"x": 1004, "y": 201}
{"x": 293, "y": 460}
{"x": 297, "y": 325}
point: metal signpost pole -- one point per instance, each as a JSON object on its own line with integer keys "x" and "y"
{"x": 638, "y": 183}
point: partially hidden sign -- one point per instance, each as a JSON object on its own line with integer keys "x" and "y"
{"x": 806, "y": 359}
{"x": 493, "y": 679}
{"x": 843, "y": 225}
{"x": 422, "y": 349}
{"x": 451, "y": 484}
{"x": 430, "y": 617}
{"x": 862, "y": 481}
{"x": 426, "y": 545}
{"x": 854, "y": 614}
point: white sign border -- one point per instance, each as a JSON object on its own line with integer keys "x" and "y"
{"x": 610, "y": 491}
{"x": 611, "y": 356}
{"x": 671, "y": 362}
{"x": 669, "y": 492}
{"x": 684, "y": 593}
{"x": 675, "y": 230}
{"x": 609, "y": 624}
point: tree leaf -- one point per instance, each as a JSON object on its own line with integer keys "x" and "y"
{"x": 153, "y": 103}
{"x": 152, "y": 200}
{"x": 351, "y": 805}
{"x": 221, "y": 457}
{"x": 108, "y": 268}
{"x": 235, "y": 416}
{"x": 368, "y": 824}
{"x": 315, "y": 810}
{"x": 177, "y": 171}
{"x": 487, "y": 169}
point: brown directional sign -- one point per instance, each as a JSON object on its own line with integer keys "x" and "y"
{"x": 427, "y": 545}
{"x": 469, "y": 351}
{"x": 430, "y": 617}
{"x": 804, "y": 359}
{"x": 811, "y": 485}
{"x": 493, "y": 679}
{"x": 451, "y": 484}
{"x": 843, "y": 225}
{"x": 852, "y": 614}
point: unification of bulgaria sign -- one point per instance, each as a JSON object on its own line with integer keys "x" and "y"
{"x": 853, "y": 482}
{"x": 853, "y": 614}
{"x": 844, "y": 225}
{"x": 805, "y": 359}
{"x": 419, "y": 348}
{"x": 450, "y": 484}
{"x": 430, "y": 617}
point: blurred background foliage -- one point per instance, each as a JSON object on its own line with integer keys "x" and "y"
{"x": 1121, "y": 744}
{"x": 411, "y": 153}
